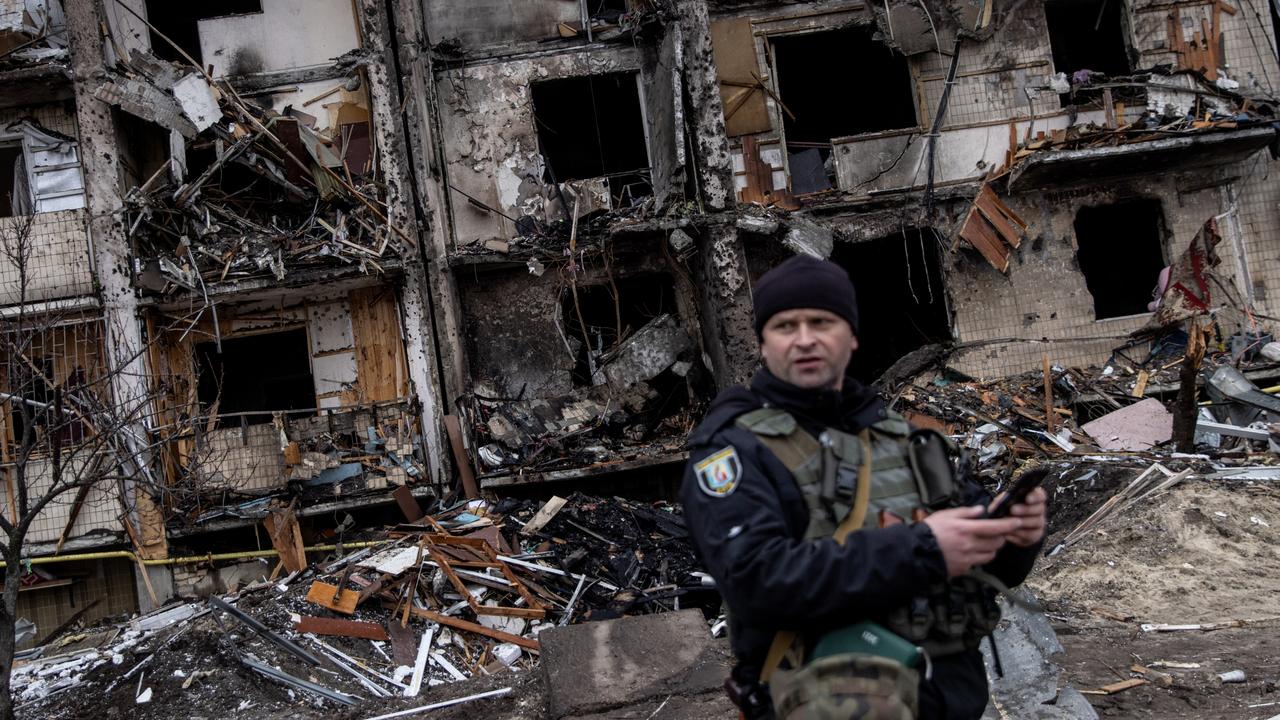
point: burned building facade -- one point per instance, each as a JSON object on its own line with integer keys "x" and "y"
{"x": 343, "y": 254}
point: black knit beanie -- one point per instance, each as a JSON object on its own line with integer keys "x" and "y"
{"x": 805, "y": 282}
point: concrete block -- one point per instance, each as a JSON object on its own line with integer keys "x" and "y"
{"x": 602, "y": 666}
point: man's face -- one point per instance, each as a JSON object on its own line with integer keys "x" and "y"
{"x": 807, "y": 347}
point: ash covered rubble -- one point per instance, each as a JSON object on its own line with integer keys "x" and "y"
{"x": 444, "y": 598}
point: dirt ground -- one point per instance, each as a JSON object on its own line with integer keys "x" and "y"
{"x": 1207, "y": 551}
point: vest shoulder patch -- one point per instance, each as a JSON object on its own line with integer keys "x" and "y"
{"x": 719, "y": 473}
{"x": 770, "y": 422}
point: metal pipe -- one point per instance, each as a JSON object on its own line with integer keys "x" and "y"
{"x": 186, "y": 559}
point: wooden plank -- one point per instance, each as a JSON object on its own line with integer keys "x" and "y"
{"x": 1049, "y": 418}
{"x": 1007, "y": 231}
{"x": 342, "y": 628}
{"x": 379, "y": 349}
{"x": 286, "y": 538}
{"x": 982, "y": 237}
{"x": 403, "y": 643}
{"x": 544, "y": 515}
{"x": 454, "y": 428}
{"x": 323, "y": 594}
{"x": 464, "y": 625}
{"x": 1007, "y": 211}
{"x": 1123, "y": 685}
{"x": 408, "y": 503}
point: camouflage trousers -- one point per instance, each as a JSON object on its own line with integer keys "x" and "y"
{"x": 846, "y": 687}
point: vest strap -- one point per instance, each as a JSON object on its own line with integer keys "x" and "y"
{"x": 784, "y": 642}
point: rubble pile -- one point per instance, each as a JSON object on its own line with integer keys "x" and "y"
{"x": 462, "y": 594}
{"x": 254, "y": 192}
{"x": 32, "y": 32}
{"x": 325, "y": 457}
{"x": 643, "y": 402}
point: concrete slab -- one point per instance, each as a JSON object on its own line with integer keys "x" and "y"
{"x": 1139, "y": 426}
{"x": 599, "y": 667}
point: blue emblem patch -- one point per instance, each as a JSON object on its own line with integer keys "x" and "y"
{"x": 718, "y": 474}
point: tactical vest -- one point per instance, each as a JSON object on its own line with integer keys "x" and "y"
{"x": 951, "y": 616}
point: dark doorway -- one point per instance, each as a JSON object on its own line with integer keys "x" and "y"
{"x": 10, "y": 169}
{"x": 257, "y": 374}
{"x": 1120, "y": 249}
{"x": 901, "y": 298}
{"x": 590, "y": 127}
{"x": 640, "y": 298}
{"x": 178, "y": 21}
{"x": 1087, "y": 35}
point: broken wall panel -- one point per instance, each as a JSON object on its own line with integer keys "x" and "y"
{"x": 58, "y": 265}
{"x": 491, "y": 139}
{"x": 486, "y": 23}
{"x": 318, "y": 32}
{"x": 990, "y": 307}
{"x": 99, "y": 511}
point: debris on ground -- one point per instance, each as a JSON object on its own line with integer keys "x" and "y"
{"x": 451, "y": 597}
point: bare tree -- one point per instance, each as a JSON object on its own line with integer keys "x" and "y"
{"x": 63, "y": 431}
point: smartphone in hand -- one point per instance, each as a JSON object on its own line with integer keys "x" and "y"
{"x": 1022, "y": 487}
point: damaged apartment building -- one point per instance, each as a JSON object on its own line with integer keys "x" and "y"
{"x": 336, "y": 257}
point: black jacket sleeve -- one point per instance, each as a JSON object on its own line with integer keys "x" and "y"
{"x": 751, "y": 541}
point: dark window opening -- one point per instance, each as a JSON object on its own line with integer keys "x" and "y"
{"x": 640, "y": 299}
{"x": 1087, "y": 35}
{"x": 590, "y": 127}
{"x": 1120, "y": 251}
{"x": 256, "y": 374}
{"x": 901, "y": 298}
{"x": 11, "y": 167}
{"x": 820, "y": 110}
{"x": 178, "y": 21}
{"x": 607, "y": 10}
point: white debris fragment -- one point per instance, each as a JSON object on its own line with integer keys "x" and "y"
{"x": 144, "y": 697}
{"x": 507, "y": 653}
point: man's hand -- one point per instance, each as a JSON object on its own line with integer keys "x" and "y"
{"x": 1031, "y": 514}
{"x": 968, "y": 540}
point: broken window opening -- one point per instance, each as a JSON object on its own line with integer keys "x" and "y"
{"x": 180, "y": 22}
{"x": 1087, "y": 35}
{"x": 642, "y": 298}
{"x": 44, "y": 365}
{"x": 816, "y": 110}
{"x": 902, "y": 299}
{"x": 256, "y": 375}
{"x": 607, "y": 10}
{"x": 590, "y": 127}
{"x": 13, "y": 179}
{"x": 1120, "y": 251}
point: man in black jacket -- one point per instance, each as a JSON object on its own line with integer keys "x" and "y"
{"x": 751, "y": 503}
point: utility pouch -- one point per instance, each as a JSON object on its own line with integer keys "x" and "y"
{"x": 930, "y": 453}
{"x": 847, "y": 686}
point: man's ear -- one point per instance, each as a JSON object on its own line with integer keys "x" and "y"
{"x": 853, "y": 343}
